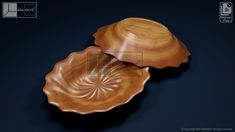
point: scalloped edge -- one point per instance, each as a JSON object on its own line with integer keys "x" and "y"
{"x": 68, "y": 58}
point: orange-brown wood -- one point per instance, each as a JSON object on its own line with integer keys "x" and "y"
{"x": 142, "y": 42}
{"x": 91, "y": 81}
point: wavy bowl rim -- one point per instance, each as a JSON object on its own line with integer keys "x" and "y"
{"x": 57, "y": 104}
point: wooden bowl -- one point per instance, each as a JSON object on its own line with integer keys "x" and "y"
{"x": 91, "y": 81}
{"x": 142, "y": 42}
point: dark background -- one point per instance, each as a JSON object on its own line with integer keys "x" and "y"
{"x": 196, "y": 95}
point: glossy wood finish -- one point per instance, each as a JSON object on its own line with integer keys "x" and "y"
{"x": 142, "y": 42}
{"x": 91, "y": 81}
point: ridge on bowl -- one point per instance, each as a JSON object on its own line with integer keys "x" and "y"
{"x": 91, "y": 81}
{"x": 143, "y": 42}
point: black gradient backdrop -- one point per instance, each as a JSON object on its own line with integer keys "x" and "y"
{"x": 199, "y": 94}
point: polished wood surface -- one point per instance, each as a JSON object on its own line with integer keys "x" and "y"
{"x": 142, "y": 42}
{"x": 91, "y": 81}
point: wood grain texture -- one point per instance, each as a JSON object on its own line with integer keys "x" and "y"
{"x": 142, "y": 42}
{"x": 91, "y": 81}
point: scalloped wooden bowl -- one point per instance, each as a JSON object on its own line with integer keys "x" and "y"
{"x": 91, "y": 81}
{"x": 142, "y": 42}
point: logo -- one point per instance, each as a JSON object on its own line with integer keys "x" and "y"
{"x": 226, "y": 12}
{"x": 19, "y": 9}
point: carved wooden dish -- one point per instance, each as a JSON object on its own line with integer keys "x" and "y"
{"x": 91, "y": 81}
{"x": 142, "y": 42}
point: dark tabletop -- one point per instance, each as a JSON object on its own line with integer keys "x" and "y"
{"x": 195, "y": 95}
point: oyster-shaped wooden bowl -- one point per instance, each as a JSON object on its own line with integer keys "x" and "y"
{"x": 91, "y": 81}
{"x": 142, "y": 42}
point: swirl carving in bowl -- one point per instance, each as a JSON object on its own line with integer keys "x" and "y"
{"x": 91, "y": 81}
